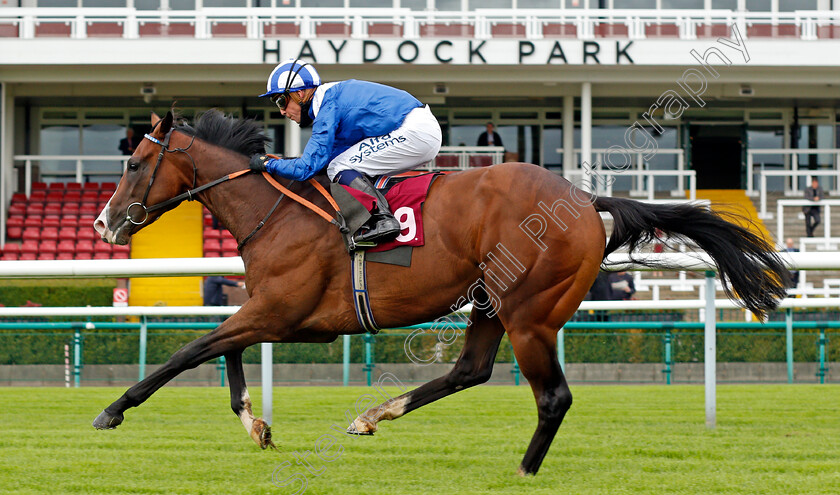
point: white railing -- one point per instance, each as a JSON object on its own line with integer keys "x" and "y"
{"x": 825, "y": 216}
{"x": 227, "y": 266}
{"x": 791, "y": 167}
{"x": 601, "y": 183}
{"x": 464, "y": 157}
{"x": 308, "y": 23}
{"x": 794, "y": 175}
{"x": 78, "y": 173}
{"x": 640, "y": 173}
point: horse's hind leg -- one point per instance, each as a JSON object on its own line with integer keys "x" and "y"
{"x": 474, "y": 367}
{"x": 537, "y": 357}
{"x": 240, "y": 401}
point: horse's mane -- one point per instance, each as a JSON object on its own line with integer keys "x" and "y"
{"x": 243, "y": 136}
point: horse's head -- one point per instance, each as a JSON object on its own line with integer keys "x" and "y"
{"x": 155, "y": 173}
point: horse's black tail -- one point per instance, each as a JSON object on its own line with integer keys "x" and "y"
{"x": 751, "y": 270}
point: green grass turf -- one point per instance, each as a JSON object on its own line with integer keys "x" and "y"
{"x": 615, "y": 440}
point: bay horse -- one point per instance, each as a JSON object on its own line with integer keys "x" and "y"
{"x": 298, "y": 278}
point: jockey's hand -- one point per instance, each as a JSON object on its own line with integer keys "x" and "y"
{"x": 257, "y": 163}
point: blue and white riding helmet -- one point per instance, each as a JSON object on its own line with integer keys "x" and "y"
{"x": 290, "y": 76}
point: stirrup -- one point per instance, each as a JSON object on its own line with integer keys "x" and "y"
{"x": 386, "y": 233}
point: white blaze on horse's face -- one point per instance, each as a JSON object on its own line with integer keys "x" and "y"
{"x": 101, "y": 224}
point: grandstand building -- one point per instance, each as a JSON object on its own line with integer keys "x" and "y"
{"x": 708, "y": 94}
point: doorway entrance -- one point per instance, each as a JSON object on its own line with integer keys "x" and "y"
{"x": 717, "y": 155}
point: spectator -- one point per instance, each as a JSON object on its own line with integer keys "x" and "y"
{"x": 621, "y": 286}
{"x": 489, "y": 137}
{"x": 600, "y": 291}
{"x": 812, "y": 213}
{"x": 794, "y": 274}
{"x": 129, "y": 142}
{"x": 213, "y": 293}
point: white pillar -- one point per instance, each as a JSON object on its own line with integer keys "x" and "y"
{"x": 267, "y": 381}
{"x": 710, "y": 345}
{"x": 568, "y": 135}
{"x": 292, "y": 144}
{"x": 586, "y": 123}
{"x": 6, "y": 155}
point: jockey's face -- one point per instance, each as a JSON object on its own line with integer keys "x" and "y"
{"x": 292, "y": 111}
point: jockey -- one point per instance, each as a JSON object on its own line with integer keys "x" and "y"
{"x": 359, "y": 130}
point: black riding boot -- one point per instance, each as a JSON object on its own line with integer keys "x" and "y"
{"x": 382, "y": 226}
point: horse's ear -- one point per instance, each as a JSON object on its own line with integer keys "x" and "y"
{"x": 155, "y": 119}
{"x": 166, "y": 124}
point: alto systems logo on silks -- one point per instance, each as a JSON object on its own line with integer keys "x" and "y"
{"x": 375, "y": 144}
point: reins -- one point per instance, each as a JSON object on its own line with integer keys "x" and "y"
{"x": 189, "y": 195}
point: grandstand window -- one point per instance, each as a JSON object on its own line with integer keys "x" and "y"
{"x": 182, "y": 4}
{"x": 103, "y": 3}
{"x": 539, "y": 4}
{"x": 634, "y": 4}
{"x": 225, "y": 3}
{"x": 725, "y": 4}
{"x": 57, "y": 3}
{"x": 413, "y": 4}
{"x": 682, "y": 4}
{"x": 448, "y": 5}
{"x": 490, "y": 4}
{"x": 147, "y": 4}
{"x": 322, "y": 3}
{"x": 59, "y": 140}
{"x": 767, "y": 137}
{"x": 758, "y": 5}
{"x": 103, "y": 140}
{"x": 791, "y": 5}
{"x": 552, "y": 141}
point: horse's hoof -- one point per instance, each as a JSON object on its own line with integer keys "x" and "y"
{"x": 361, "y": 427}
{"x": 107, "y": 421}
{"x": 261, "y": 433}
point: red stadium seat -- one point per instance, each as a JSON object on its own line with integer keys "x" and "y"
{"x": 84, "y": 255}
{"x": 89, "y": 197}
{"x": 55, "y": 196}
{"x": 73, "y": 197}
{"x": 119, "y": 256}
{"x": 229, "y": 245}
{"x": 31, "y": 234}
{"x": 13, "y": 232}
{"x": 28, "y": 256}
{"x": 212, "y": 245}
{"x": 12, "y": 248}
{"x": 102, "y": 247}
{"x": 101, "y": 255}
{"x": 67, "y": 246}
{"x": 47, "y": 247}
{"x": 212, "y": 254}
{"x": 68, "y": 233}
{"x": 124, "y": 249}
{"x": 86, "y": 234}
{"x": 69, "y": 221}
{"x": 52, "y": 209}
{"x": 46, "y": 256}
{"x": 70, "y": 209}
{"x": 51, "y": 221}
{"x": 108, "y": 186}
{"x": 212, "y": 234}
{"x": 56, "y": 186}
{"x": 91, "y": 186}
{"x": 29, "y": 246}
{"x": 89, "y": 209}
{"x": 33, "y": 221}
{"x": 35, "y": 209}
{"x": 17, "y": 208}
{"x": 105, "y": 196}
{"x": 18, "y": 198}
{"x": 10, "y": 256}
{"x": 39, "y": 185}
{"x": 73, "y": 186}
{"x": 38, "y": 195}
{"x": 64, "y": 256}
{"x": 49, "y": 234}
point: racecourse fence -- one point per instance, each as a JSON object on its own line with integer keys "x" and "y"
{"x": 596, "y": 347}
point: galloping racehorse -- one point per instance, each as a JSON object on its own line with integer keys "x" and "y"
{"x": 521, "y": 233}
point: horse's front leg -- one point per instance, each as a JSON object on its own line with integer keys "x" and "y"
{"x": 240, "y": 401}
{"x": 235, "y": 333}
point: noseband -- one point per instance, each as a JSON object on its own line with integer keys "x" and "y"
{"x": 164, "y": 148}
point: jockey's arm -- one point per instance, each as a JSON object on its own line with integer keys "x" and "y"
{"x": 315, "y": 156}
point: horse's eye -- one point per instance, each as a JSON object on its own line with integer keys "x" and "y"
{"x": 133, "y": 166}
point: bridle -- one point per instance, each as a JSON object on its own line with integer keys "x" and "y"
{"x": 188, "y": 196}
